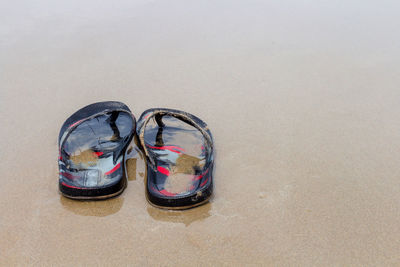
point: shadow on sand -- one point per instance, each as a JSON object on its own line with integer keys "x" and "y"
{"x": 186, "y": 216}
{"x": 93, "y": 208}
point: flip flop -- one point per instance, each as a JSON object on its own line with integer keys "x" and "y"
{"x": 92, "y": 144}
{"x": 179, "y": 154}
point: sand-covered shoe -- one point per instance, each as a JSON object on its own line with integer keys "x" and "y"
{"x": 179, "y": 154}
{"x": 92, "y": 145}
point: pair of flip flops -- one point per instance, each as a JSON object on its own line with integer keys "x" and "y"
{"x": 178, "y": 149}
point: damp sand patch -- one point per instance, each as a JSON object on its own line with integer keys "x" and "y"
{"x": 86, "y": 158}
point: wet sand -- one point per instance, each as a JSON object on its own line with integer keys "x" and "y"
{"x": 302, "y": 98}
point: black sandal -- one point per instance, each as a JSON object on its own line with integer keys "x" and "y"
{"x": 92, "y": 145}
{"x": 179, "y": 154}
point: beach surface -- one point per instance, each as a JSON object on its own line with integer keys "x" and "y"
{"x": 302, "y": 98}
